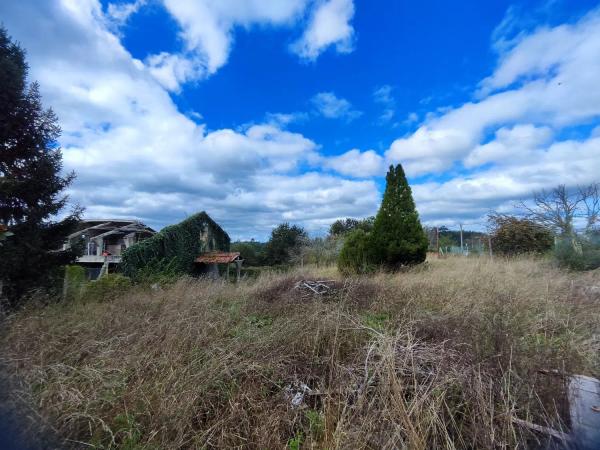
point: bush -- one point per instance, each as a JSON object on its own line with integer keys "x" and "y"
{"x": 354, "y": 257}
{"x": 107, "y": 287}
{"x": 513, "y": 236}
{"x": 74, "y": 283}
{"x": 583, "y": 254}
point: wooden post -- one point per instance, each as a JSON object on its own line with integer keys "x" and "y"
{"x": 238, "y": 266}
{"x": 490, "y": 244}
{"x": 228, "y": 264}
{"x": 437, "y": 240}
{"x": 462, "y": 252}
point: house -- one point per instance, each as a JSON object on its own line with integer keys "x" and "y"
{"x": 104, "y": 241}
{"x": 175, "y": 250}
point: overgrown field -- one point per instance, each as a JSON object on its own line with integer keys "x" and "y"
{"x": 442, "y": 356}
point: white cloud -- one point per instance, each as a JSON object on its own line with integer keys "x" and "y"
{"x": 548, "y": 77}
{"x": 332, "y": 107}
{"x": 207, "y": 28}
{"x": 119, "y": 13}
{"x": 518, "y": 143}
{"x": 357, "y": 164}
{"x": 137, "y": 155}
{"x": 383, "y": 95}
{"x": 329, "y": 25}
{"x": 543, "y": 86}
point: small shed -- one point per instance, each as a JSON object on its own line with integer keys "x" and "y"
{"x": 208, "y": 263}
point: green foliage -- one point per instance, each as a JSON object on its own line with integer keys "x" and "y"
{"x": 172, "y": 251}
{"x": 345, "y": 226}
{"x": 284, "y": 242}
{"x": 513, "y": 236}
{"x": 295, "y": 443}
{"x": 252, "y": 252}
{"x": 106, "y": 288}
{"x": 31, "y": 183}
{"x": 578, "y": 253}
{"x": 354, "y": 257}
{"x": 74, "y": 283}
{"x": 316, "y": 424}
{"x": 397, "y": 238}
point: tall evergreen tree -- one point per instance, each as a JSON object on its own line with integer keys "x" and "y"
{"x": 31, "y": 183}
{"x": 284, "y": 241}
{"x": 397, "y": 238}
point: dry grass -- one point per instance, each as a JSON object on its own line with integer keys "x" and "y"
{"x": 440, "y": 357}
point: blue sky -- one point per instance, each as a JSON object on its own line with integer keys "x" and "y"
{"x": 263, "y": 111}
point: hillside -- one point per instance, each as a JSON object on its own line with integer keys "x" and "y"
{"x": 436, "y": 357}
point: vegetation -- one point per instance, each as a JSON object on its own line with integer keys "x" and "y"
{"x": 285, "y": 244}
{"x": 436, "y": 358}
{"x": 514, "y": 236}
{"x": 342, "y": 227}
{"x": 31, "y": 184}
{"x": 171, "y": 252}
{"x": 397, "y": 238}
{"x": 252, "y": 252}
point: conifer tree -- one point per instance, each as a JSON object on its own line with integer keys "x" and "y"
{"x": 31, "y": 183}
{"x": 397, "y": 238}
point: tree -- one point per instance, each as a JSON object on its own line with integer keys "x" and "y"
{"x": 344, "y": 226}
{"x": 559, "y": 208}
{"x": 31, "y": 185}
{"x": 285, "y": 243}
{"x": 514, "y": 236}
{"x": 397, "y": 238}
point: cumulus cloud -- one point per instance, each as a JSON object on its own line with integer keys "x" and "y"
{"x": 546, "y": 77}
{"x": 329, "y": 25}
{"x": 332, "y": 107}
{"x": 356, "y": 163}
{"x": 137, "y": 155}
{"x": 509, "y": 138}
{"x": 207, "y": 29}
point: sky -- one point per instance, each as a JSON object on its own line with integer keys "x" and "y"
{"x": 267, "y": 111}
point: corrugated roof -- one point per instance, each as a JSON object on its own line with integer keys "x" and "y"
{"x": 217, "y": 257}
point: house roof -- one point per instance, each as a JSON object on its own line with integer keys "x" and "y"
{"x": 217, "y": 257}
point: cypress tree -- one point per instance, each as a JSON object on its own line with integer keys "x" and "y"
{"x": 31, "y": 184}
{"x": 397, "y": 238}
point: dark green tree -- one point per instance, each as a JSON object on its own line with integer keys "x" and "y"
{"x": 284, "y": 242}
{"x": 31, "y": 183}
{"x": 397, "y": 238}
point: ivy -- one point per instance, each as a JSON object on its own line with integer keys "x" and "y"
{"x": 172, "y": 251}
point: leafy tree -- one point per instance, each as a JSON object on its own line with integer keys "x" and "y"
{"x": 397, "y": 238}
{"x": 31, "y": 185}
{"x": 252, "y": 252}
{"x": 344, "y": 226}
{"x": 514, "y": 236}
{"x": 284, "y": 243}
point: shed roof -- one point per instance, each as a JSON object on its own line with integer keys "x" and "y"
{"x": 217, "y": 257}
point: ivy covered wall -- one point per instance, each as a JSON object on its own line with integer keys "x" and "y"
{"x": 172, "y": 251}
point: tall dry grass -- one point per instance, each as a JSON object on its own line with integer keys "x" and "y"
{"x": 437, "y": 357}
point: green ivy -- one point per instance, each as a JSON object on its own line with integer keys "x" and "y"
{"x": 172, "y": 251}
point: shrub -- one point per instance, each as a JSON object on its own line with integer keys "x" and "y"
{"x": 354, "y": 257}
{"x": 513, "y": 236}
{"x": 107, "y": 287}
{"x": 582, "y": 254}
{"x": 74, "y": 283}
